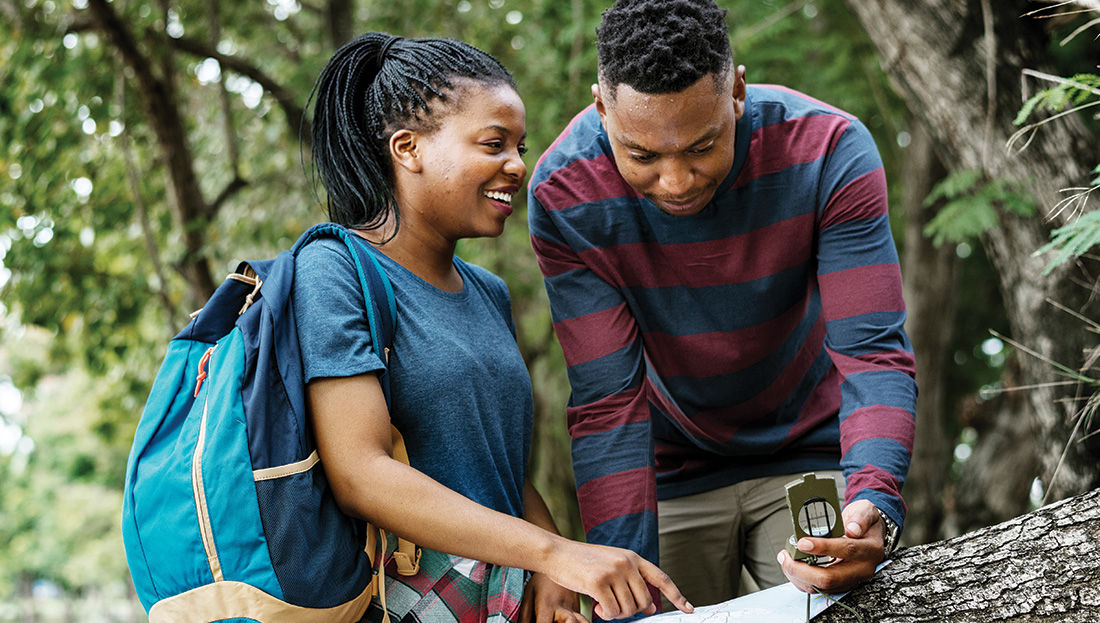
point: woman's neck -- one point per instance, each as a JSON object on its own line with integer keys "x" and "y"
{"x": 429, "y": 257}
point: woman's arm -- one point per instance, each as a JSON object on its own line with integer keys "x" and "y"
{"x": 352, "y": 427}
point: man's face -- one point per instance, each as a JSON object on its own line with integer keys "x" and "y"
{"x": 675, "y": 148}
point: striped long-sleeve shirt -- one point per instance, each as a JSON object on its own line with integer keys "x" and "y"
{"x": 762, "y": 336}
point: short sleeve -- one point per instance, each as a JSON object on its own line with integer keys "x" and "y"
{"x": 330, "y": 311}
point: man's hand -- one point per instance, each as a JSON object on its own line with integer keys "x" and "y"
{"x": 857, "y": 553}
{"x": 544, "y": 601}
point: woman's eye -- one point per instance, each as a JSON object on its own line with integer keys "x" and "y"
{"x": 522, "y": 150}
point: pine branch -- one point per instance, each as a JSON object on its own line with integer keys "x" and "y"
{"x": 1060, "y": 80}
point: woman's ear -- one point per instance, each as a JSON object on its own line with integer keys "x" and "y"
{"x": 404, "y": 151}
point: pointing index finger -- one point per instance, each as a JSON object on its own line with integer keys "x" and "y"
{"x": 660, "y": 579}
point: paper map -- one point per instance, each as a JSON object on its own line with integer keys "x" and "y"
{"x": 779, "y": 604}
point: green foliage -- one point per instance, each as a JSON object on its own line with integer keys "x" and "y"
{"x": 972, "y": 206}
{"x": 1074, "y": 92}
{"x": 1081, "y": 234}
{"x": 91, "y": 256}
{"x": 1072, "y": 240}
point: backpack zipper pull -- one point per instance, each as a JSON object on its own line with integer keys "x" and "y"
{"x": 202, "y": 369}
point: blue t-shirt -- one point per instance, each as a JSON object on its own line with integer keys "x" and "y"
{"x": 460, "y": 392}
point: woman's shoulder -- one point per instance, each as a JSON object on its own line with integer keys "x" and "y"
{"x": 322, "y": 253}
{"x": 321, "y": 266}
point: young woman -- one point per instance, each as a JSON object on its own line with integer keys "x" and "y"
{"x": 419, "y": 143}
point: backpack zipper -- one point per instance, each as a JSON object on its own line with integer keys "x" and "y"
{"x": 205, "y": 529}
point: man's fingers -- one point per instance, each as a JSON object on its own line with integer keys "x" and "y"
{"x": 801, "y": 575}
{"x": 834, "y": 578}
{"x": 660, "y": 579}
{"x": 858, "y": 517}
{"x": 843, "y": 548}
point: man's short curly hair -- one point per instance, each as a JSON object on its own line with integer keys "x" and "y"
{"x": 662, "y": 46}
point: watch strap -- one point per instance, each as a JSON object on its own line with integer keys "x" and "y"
{"x": 889, "y": 533}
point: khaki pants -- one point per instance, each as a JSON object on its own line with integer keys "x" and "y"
{"x": 707, "y": 538}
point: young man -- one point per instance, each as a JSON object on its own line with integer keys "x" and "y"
{"x": 728, "y": 298}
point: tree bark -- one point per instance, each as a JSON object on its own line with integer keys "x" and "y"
{"x": 339, "y": 19}
{"x": 929, "y": 278}
{"x": 995, "y": 483}
{"x": 1042, "y": 566}
{"x": 937, "y": 52}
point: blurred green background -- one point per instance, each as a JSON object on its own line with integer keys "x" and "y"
{"x": 112, "y": 228}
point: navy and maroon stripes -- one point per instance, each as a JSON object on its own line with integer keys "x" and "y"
{"x": 762, "y": 336}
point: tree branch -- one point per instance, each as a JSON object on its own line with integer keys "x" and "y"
{"x": 294, "y": 113}
{"x": 10, "y": 10}
{"x": 223, "y": 93}
{"x": 1042, "y": 566}
{"x": 231, "y": 189}
{"x": 990, "y": 79}
{"x": 163, "y": 115}
{"x": 134, "y": 181}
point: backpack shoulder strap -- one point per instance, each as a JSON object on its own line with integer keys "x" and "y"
{"x": 377, "y": 291}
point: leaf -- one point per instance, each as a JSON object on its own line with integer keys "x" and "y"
{"x": 962, "y": 219}
{"x": 954, "y": 185}
{"x": 972, "y": 206}
{"x": 1072, "y": 240}
{"x": 1028, "y": 107}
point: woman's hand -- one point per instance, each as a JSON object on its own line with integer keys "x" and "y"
{"x": 617, "y": 579}
{"x": 544, "y": 601}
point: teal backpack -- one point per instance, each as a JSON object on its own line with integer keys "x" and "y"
{"x": 227, "y": 515}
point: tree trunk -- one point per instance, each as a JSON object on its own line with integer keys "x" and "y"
{"x": 339, "y": 21}
{"x": 162, "y": 112}
{"x": 995, "y": 483}
{"x": 937, "y": 53}
{"x": 1043, "y": 566}
{"x": 929, "y": 278}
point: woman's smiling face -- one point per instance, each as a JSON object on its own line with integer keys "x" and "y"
{"x": 471, "y": 166}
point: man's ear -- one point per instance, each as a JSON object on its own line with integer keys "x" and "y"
{"x": 739, "y": 91}
{"x": 596, "y": 97}
{"x": 404, "y": 150}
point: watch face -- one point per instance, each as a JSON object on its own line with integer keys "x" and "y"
{"x": 816, "y": 517}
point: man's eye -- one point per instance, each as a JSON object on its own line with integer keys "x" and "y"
{"x": 703, "y": 150}
{"x": 522, "y": 150}
{"x": 641, "y": 157}
{"x": 494, "y": 144}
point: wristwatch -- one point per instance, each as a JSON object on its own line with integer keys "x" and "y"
{"x": 889, "y": 534}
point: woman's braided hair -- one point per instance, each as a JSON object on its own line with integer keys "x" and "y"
{"x": 662, "y": 46}
{"x": 373, "y": 86}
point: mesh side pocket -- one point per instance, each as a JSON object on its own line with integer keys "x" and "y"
{"x": 316, "y": 550}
